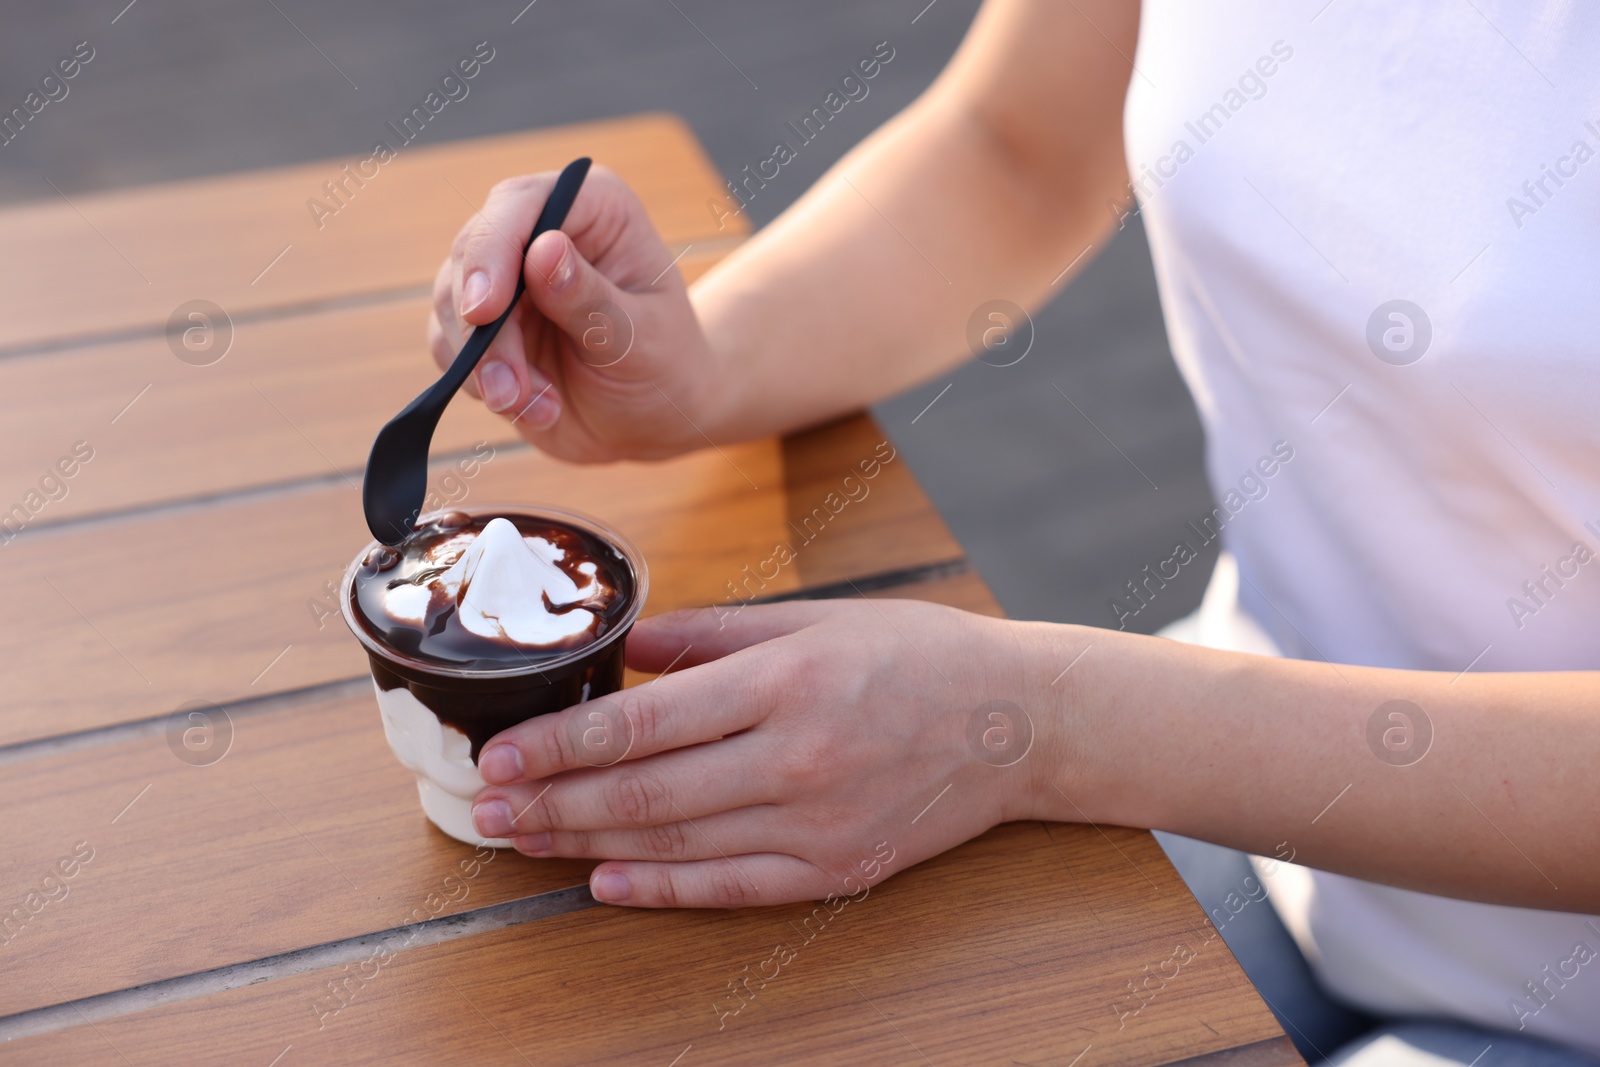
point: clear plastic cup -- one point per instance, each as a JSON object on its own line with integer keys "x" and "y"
{"x": 437, "y": 717}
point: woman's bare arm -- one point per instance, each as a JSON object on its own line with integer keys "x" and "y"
{"x": 1479, "y": 786}
{"x": 986, "y": 187}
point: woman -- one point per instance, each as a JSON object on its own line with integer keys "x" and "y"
{"x": 1374, "y": 232}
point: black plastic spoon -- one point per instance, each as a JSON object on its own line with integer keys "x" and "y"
{"x": 397, "y": 470}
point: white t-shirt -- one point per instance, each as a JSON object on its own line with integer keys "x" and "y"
{"x": 1376, "y": 231}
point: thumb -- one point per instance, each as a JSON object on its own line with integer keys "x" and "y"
{"x": 689, "y": 637}
{"x": 582, "y": 302}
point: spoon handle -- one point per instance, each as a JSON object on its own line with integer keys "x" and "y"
{"x": 554, "y": 214}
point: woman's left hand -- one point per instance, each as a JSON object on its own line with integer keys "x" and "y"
{"x": 794, "y": 751}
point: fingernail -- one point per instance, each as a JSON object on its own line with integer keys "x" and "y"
{"x": 474, "y": 291}
{"x": 500, "y": 764}
{"x": 561, "y": 274}
{"x": 498, "y": 384}
{"x": 609, "y": 887}
{"x": 542, "y": 413}
{"x": 533, "y": 843}
{"x": 492, "y": 818}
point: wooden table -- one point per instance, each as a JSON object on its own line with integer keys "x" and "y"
{"x": 264, "y": 889}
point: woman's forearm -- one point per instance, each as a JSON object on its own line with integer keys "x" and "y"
{"x": 986, "y": 188}
{"x": 1479, "y": 786}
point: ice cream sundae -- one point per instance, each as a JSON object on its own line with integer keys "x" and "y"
{"x": 479, "y": 621}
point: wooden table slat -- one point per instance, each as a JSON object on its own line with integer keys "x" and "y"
{"x": 144, "y": 251}
{"x": 1015, "y": 947}
{"x": 134, "y": 618}
{"x": 298, "y": 397}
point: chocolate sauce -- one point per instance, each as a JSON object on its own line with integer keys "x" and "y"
{"x": 482, "y": 708}
{"x": 441, "y": 640}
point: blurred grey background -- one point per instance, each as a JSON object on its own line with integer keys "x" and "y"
{"x": 1056, "y": 510}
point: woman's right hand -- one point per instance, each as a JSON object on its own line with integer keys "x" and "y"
{"x": 604, "y": 358}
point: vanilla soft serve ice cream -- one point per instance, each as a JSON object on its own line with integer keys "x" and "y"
{"x": 474, "y": 624}
{"x": 504, "y": 587}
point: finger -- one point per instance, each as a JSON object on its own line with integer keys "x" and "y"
{"x": 542, "y": 406}
{"x": 503, "y": 373}
{"x": 726, "y": 833}
{"x": 519, "y": 388}
{"x": 444, "y": 303}
{"x": 570, "y": 292}
{"x": 672, "y": 786}
{"x": 490, "y": 255}
{"x": 682, "y": 708}
{"x": 692, "y": 636}
{"x": 444, "y": 327}
{"x": 544, "y": 401}
{"x": 513, "y": 386}
{"x": 725, "y": 882}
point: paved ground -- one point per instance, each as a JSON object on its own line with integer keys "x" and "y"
{"x": 1057, "y": 511}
